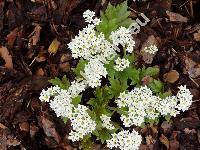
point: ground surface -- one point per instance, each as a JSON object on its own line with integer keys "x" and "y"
{"x": 27, "y": 30}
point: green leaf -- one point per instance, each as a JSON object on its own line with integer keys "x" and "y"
{"x": 110, "y": 69}
{"x": 157, "y": 86}
{"x": 167, "y": 118}
{"x": 164, "y": 95}
{"x": 130, "y": 57}
{"x": 65, "y": 119}
{"x": 114, "y": 87}
{"x": 76, "y": 100}
{"x": 103, "y": 135}
{"x": 87, "y": 143}
{"x": 80, "y": 67}
{"x": 150, "y": 71}
{"x": 63, "y": 84}
{"x": 113, "y": 18}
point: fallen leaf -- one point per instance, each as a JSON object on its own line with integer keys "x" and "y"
{"x": 11, "y": 37}
{"x": 65, "y": 58}
{"x": 149, "y": 140}
{"x": 197, "y": 36}
{"x": 7, "y": 57}
{"x": 188, "y": 131}
{"x": 40, "y": 72}
{"x": 163, "y": 139}
{"x": 173, "y": 145}
{"x": 192, "y": 67}
{"x": 24, "y": 126}
{"x": 49, "y": 129}
{"x": 35, "y": 35}
{"x": 146, "y": 80}
{"x": 198, "y": 135}
{"x": 53, "y": 48}
{"x": 148, "y": 58}
{"x": 154, "y": 129}
{"x": 2, "y": 126}
{"x": 166, "y": 126}
{"x": 33, "y": 130}
{"x": 174, "y": 17}
{"x": 13, "y": 142}
{"x": 171, "y": 77}
{"x": 65, "y": 67}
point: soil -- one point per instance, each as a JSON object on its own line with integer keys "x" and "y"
{"x": 28, "y": 28}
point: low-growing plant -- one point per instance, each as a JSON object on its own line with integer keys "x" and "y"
{"x": 118, "y": 100}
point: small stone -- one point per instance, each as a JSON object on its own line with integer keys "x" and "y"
{"x": 171, "y": 76}
{"x": 24, "y": 126}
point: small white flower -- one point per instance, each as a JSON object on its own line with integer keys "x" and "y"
{"x": 184, "y": 97}
{"x": 61, "y": 104}
{"x": 88, "y": 15}
{"x": 45, "y": 95}
{"x": 123, "y": 36}
{"x": 121, "y": 64}
{"x": 77, "y": 87}
{"x": 125, "y": 140}
{"x": 168, "y": 105}
{"x": 81, "y": 122}
{"x": 106, "y": 122}
{"x": 93, "y": 72}
{"x": 141, "y": 104}
{"x": 152, "y": 49}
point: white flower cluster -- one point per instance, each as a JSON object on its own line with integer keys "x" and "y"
{"x": 125, "y": 140}
{"x": 184, "y": 97}
{"x": 121, "y": 64}
{"x": 45, "y": 95}
{"x": 77, "y": 87}
{"x": 93, "y": 72}
{"x": 88, "y": 45}
{"x": 89, "y": 17}
{"x": 142, "y": 104}
{"x": 152, "y": 49}
{"x": 97, "y": 50}
{"x": 123, "y": 37}
{"x": 81, "y": 122}
{"x": 61, "y": 102}
{"x": 106, "y": 122}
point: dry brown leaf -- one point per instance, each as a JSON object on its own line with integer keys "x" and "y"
{"x": 24, "y": 126}
{"x": 148, "y": 58}
{"x": 49, "y": 129}
{"x": 198, "y": 135}
{"x": 40, "y": 72}
{"x": 7, "y": 57}
{"x": 188, "y": 131}
{"x": 146, "y": 80}
{"x": 35, "y": 35}
{"x": 171, "y": 77}
{"x": 173, "y": 145}
{"x": 163, "y": 139}
{"x": 33, "y": 130}
{"x": 149, "y": 140}
{"x": 11, "y": 37}
{"x": 197, "y": 36}
{"x": 174, "y": 17}
{"x": 53, "y": 48}
{"x": 65, "y": 67}
{"x": 191, "y": 67}
{"x": 2, "y": 126}
{"x": 166, "y": 126}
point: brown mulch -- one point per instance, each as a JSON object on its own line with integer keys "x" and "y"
{"x": 29, "y": 27}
